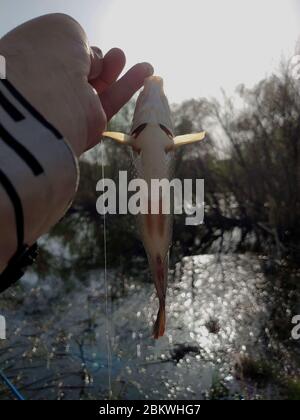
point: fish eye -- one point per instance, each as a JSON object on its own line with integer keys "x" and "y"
{"x": 138, "y": 130}
{"x": 136, "y": 150}
{"x": 166, "y": 130}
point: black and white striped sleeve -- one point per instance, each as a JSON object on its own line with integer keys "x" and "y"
{"x": 38, "y": 174}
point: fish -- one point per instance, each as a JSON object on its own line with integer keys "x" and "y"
{"x": 153, "y": 143}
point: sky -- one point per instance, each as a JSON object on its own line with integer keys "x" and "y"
{"x": 197, "y": 46}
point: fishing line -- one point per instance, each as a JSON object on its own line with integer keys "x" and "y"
{"x": 107, "y": 315}
{"x": 12, "y": 388}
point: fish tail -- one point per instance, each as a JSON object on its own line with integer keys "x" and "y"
{"x": 160, "y": 323}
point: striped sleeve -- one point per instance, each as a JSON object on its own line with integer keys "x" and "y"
{"x": 38, "y": 174}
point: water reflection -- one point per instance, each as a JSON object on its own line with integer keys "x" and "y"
{"x": 217, "y": 308}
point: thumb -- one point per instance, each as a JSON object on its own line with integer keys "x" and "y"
{"x": 96, "y": 63}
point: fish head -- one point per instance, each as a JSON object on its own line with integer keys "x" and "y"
{"x": 152, "y": 106}
{"x": 152, "y": 123}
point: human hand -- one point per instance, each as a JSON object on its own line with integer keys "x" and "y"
{"x": 50, "y": 62}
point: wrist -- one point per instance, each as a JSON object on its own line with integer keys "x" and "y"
{"x": 55, "y": 97}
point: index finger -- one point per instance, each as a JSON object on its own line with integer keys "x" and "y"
{"x": 119, "y": 93}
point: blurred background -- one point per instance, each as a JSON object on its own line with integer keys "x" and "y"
{"x": 234, "y": 281}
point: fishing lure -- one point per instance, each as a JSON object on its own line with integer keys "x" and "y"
{"x": 153, "y": 144}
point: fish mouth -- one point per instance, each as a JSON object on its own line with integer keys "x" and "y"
{"x": 154, "y": 81}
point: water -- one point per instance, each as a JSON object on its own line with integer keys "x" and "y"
{"x": 219, "y": 308}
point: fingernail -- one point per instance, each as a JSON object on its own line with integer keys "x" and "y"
{"x": 98, "y": 52}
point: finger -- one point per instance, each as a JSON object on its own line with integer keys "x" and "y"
{"x": 96, "y": 63}
{"x": 118, "y": 94}
{"x": 113, "y": 64}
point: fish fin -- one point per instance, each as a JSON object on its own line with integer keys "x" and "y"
{"x": 188, "y": 139}
{"x": 160, "y": 323}
{"x": 119, "y": 137}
